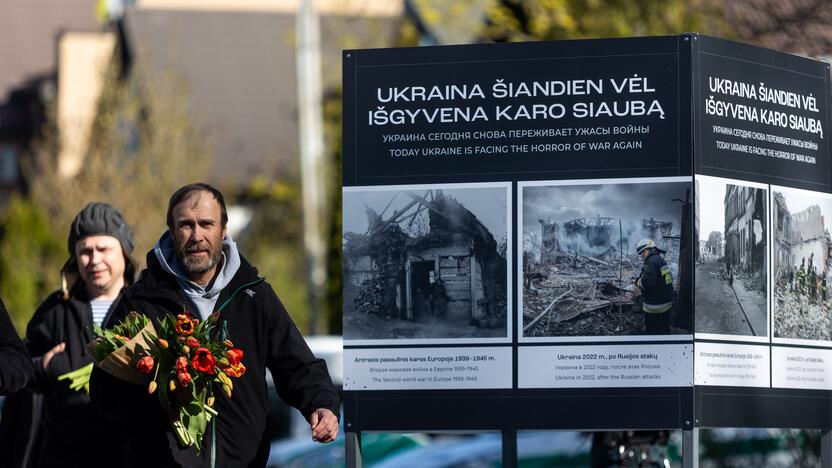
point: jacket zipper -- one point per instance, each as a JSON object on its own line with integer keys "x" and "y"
{"x": 259, "y": 280}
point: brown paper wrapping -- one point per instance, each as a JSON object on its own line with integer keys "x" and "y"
{"x": 121, "y": 363}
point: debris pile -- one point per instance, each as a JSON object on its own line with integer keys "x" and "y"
{"x": 431, "y": 267}
{"x": 801, "y": 317}
{"x": 752, "y": 282}
{"x": 578, "y": 296}
{"x": 583, "y": 285}
{"x": 802, "y": 302}
{"x": 377, "y": 292}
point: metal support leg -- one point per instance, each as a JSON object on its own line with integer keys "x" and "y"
{"x": 352, "y": 447}
{"x": 509, "y": 438}
{"x": 690, "y": 448}
{"x": 826, "y": 448}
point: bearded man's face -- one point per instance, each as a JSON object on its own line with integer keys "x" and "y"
{"x": 197, "y": 235}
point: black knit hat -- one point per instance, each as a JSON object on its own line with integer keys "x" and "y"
{"x": 100, "y": 219}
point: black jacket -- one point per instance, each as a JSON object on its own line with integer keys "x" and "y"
{"x": 258, "y": 324}
{"x": 71, "y": 425}
{"x": 15, "y": 365}
{"x": 656, "y": 283}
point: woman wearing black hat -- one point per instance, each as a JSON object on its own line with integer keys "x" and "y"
{"x": 98, "y": 269}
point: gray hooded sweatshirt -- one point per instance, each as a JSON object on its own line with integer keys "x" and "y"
{"x": 203, "y": 298}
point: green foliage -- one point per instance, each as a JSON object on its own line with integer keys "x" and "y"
{"x": 108, "y": 341}
{"x": 772, "y": 447}
{"x": 334, "y": 290}
{"x": 31, "y": 254}
{"x": 142, "y": 146}
{"x": 533, "y": 20}
{"x": 524, "y": 20}
{"x": 282, "y": 264}
{"x": 274, "y": 241}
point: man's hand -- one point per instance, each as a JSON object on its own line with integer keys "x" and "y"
{"x": 59, "y": 348}
{"x": 324, "y": 425}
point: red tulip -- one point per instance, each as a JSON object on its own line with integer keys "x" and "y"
{"x": 204, "y": 361}
{"x": 145, "y": 365}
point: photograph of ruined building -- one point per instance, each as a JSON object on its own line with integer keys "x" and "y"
{"x": 801, "y": 303}
{"x": 426, "y": 263}
{"x": 579, "y": 254}
{"x": 730, "y": 273}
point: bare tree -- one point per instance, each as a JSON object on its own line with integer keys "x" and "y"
{"x": 142, "y": 146}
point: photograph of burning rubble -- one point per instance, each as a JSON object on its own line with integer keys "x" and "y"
{"x": 731, "y": 262}
{"x": 426, "y": 263}
{"x": 580, "y": 262}
{"x": 801, "y": 225}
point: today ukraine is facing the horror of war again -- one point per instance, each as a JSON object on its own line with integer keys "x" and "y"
{"x": 495, "y": 199}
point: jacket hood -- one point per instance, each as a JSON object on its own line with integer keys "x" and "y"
{"x": 202, "y": 297}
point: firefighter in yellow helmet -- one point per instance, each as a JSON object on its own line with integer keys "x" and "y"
{"x": 656, "y": 284}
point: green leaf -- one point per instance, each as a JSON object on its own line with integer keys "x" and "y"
{"x": 182, "y": 433}
{"x": 195, "y": 419}
{"x": 79, "y": 378}
{"x": 163, "y": 393}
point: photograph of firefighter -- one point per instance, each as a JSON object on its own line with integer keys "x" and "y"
{"x": 655, "y": 282}
{"x": 602, "y": 258}
{"x": 801, "y": 226}
{"x": 426, "y": 262}
{"x": 730, "y": 273}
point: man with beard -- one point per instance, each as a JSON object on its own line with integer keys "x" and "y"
{"x": 196, "y": 268}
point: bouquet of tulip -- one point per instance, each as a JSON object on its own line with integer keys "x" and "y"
{"x": 182, "y": 364}
{"x": 114, "y": 350}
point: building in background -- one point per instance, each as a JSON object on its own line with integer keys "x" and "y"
{"x": 237, "y": 61}
{"x": 781, "y": 222}
{"x": 745, "y": 228}
{"x": 30, "y": 34}
{"x": 713, "y": 246}
{"x": 83, "y": 59}
{"x": 809, "y": 238}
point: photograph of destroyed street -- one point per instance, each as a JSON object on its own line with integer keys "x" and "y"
{"x": 579, "y": 254}
{"x": 426, "y": 262}
{"x": 802, "y": 305}
{"x": 730, "y": 273}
